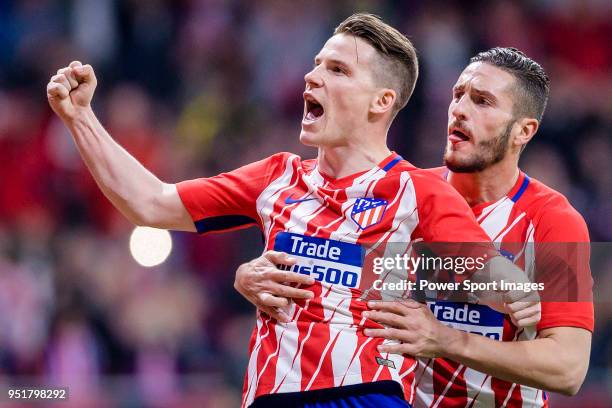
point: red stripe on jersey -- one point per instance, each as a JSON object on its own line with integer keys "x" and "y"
{"x": 449, "y": 384}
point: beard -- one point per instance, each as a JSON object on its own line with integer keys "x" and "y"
{"x": 488, "y": 153}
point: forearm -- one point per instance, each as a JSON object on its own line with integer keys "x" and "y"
{"x": 540, "y": 363}
{"x": 124, "y": 181}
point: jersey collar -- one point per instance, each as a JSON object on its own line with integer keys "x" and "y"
{"x": 515, "y": 193}
{"x": 385, "y": 165}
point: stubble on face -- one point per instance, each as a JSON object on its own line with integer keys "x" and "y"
{"x": 486, "y": 154}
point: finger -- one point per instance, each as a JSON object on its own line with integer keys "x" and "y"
{"x": 55, "y": 90}
{"x": 389, "y": 319}
{"x": 266, "y": 299}
{"x": 515, "y": 296}
{"x": 522, "y": 295}
{"x": 395, "y": 349}
{"x": 62, "y": 80}
{"x": 75, "y": 64}
{"x": 530, "y": 321}
{"x": 277, "y": 257}
{"x": 290, "y": 292}
{"x": 67, "y": 72}
{"x": 411, "y": 304}
{"x": 525, "y": 313}
{"x": 287, "y": 276}
{"x": 275, "y": 313}
{"x": 516, "y": 306}
{"x": 396, "y": 307}
{"x": 85, "y": 73}
{"x": 388, "y": 333}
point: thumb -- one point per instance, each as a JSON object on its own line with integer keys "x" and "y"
{"x": 279, "y": 258}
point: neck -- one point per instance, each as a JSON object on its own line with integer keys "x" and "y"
{"x": 488, "y": 185}
{"x": 342, "y": 161}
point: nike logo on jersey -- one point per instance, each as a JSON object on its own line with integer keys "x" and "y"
{"x": 290, "y": 200}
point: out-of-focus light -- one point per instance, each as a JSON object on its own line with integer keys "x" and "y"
{"x": 150, "y": 246}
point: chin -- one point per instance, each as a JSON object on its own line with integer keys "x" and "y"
{"x": 469, "y": 165}
{"x": 308, "y": 139}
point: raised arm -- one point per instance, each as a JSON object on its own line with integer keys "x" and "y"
{"x": 136, "y": 192}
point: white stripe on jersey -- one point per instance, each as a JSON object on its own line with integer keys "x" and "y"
{"x": 288, "y": 361}
{"x": 479, "y": 390}
{"x": 355, "y": 363}
{"x": 342, "y": 367}
{"x": 288, "y": 377}
{"x": 495, "y": 221}
{"x": 406, "y": 213}
{"x": 268, "y": 197}
{"x": 448, "y": 386}
{"x": 424, "y": 384}
{"x": 530, "y": 252}
{"x": 502, "y": 234}
{"x": 510, "y": 390}
{"x": 252, "y": 367}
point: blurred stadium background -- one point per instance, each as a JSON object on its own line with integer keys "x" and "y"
{"x": 195, "y": 87}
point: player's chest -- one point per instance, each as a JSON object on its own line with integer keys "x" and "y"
{"x": 363, "y": 211}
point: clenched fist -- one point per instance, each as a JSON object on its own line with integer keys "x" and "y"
{"x": 71, "y": 89}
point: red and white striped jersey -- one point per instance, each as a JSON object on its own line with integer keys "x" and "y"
{"x": 325, "y": 223}
{"x": 529, "y": 214}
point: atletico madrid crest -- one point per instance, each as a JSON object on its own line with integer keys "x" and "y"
{"x": 368, "y": 211}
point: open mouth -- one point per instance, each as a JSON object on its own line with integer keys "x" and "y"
{"x": 458, "y": 135}
{"x": 314, "y": 110}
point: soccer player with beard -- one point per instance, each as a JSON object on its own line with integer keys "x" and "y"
{"x": 496, "y": 108}
{"x": 325, "y": 212}
{"x": 498, "y": 103}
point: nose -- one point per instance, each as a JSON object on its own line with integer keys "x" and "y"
{"x": 458, "y": 108}
{"x": 313, "y": 78}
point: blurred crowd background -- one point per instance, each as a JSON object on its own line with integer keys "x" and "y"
{"x": 196, "y": 87}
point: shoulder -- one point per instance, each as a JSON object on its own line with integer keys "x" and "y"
{"x": 434, "y": 174}
{"x": 274, "y": 165}
{"x": 283, "y": 158}
{"x": 430, "y": 185}
{"x": 433, "y": 182}
{"x": 554, "y": 218}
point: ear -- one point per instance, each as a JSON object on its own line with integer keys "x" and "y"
{"x": 383, "y": 101}
{"x": 526, "y": 129}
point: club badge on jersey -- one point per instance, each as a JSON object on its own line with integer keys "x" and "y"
{"x": 368, "y": 211}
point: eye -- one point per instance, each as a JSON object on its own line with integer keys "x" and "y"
{"x": 457, "y": 95}
{"x": 337, "y": 69}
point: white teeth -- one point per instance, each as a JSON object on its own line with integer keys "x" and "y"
{"x": 310, "y": 116}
